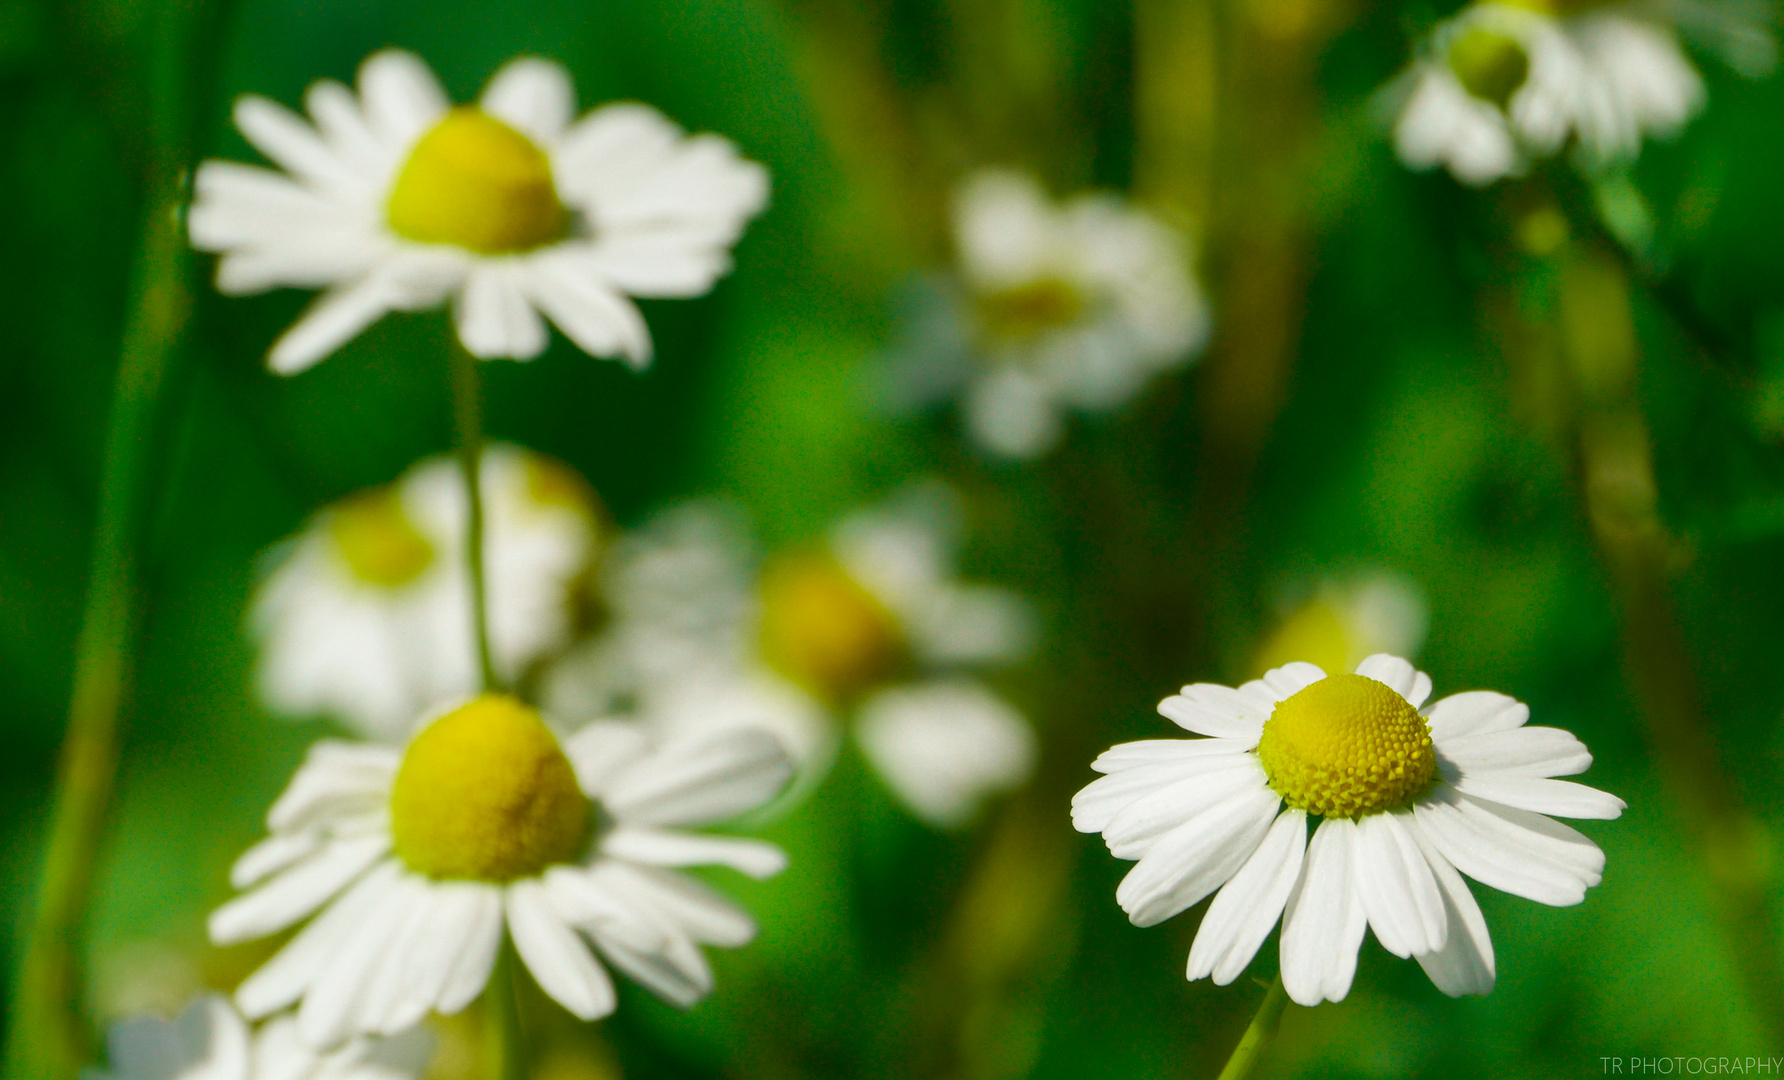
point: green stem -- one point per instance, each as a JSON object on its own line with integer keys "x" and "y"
{"x": 467, "y": 411}
{"x": 1262, "y": 1029}
{"x": 504, "y": 1043}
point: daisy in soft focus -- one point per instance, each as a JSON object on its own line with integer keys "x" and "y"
{"x": 1504, "y": 83}
{"x": 1054, "y": 308}
{"x": 368, "y": 616}
{"x": 211, "y": 1041}
{"x": 1344, "y": 620}
{"x": 394, "y": 199}
{"x": 413, "y": 861}
{"x": 1410, "y": 797}
{"x": 870, "y": 625}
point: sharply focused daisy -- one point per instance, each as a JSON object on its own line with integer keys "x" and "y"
{"x": 368, "y": 616}
{"x": 871, "y": 625}
{"x": 1408, "y": 799}
{"x": 211, "y": 1041}
{"x": 1506, "y": 82}
{"x": 394, "y": 199}
{"x": 1053, "y": 307}
{"x": 414, "y": 860}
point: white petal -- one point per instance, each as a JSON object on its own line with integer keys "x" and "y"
{"x": 402, "y": 98}
{"x": 559, "y": 961}
{"x": 1196, "y": 858}
{"x": 1522, "y": 751}
{"x": 1098, "y": 803}
{"x": 289, "y": 974}
{"x": 945, "y": 746}
{"x": 1012, "y": 413}
{"x": 677, "y": 972}
{"x": 1465, "y": 963}
{"x": 1561, "y": 798}
{"x": 701, "y": 779}
{"x": 1512, "y": 850}
{"x": 1399, "y": 895}
{"x": 382, "y": 1004}
{"x": 1219, "y": 711}
{"x": 1131, "y": 832}
{"x": 296, "y": 892}
{"x": 696, "y": 909}
{"x": 482, "y": 936}
{"x": 272, "y": 855}
{"x": 446, "y": 923}
{"x": 1475, "y": 712}
{"x": 660, "y": 847}
{"x": 1145, "y": 752}
{"x": 587, "y": 309}
{"x": 1323, "y": 925}
{"x": 283, "y": 137}
{"x": 336, "y": 779}
{"x": 335, "y": 318}
{"x": 1247, "y": 907}
{"x": 601, "y": 751}
{"x": 1399, "y": 675}
{"x": 330, "y": 1011}
{"x": 533, "y": 96}
{"x": 1286, "y": 681}
{"x": 494, "y": 316}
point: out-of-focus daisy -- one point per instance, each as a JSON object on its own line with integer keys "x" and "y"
{"x": 1407, "y": 796}
{"x": 1504, "y": 83}
{"x": 368, "y": 618}
{"x": 413, "y": 861}
{"x": 1053, "y": 307}
{"x": 211, "y": 1041}
{"x": 394, "y": 199}
{"x": 1346, "y": 620}
{"x": 871, "y": 624}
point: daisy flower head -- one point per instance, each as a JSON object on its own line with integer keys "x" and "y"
{"x": 1053, "y": 307}
{"x": 1506, "y": 82}
{"x": 1409, "y": 797}
{"x": 410, "y": 864}
{"x": 394, "y": 199}
{"x": 211, "y": 1041}
{"x": 368, "y": 616}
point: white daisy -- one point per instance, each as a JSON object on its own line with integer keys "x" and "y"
{"x": 1408, "y": 798}
{"x": 872, "y": 625}
{"x": 1057, "y": 307}
{"x": 211, "y": 1041}
{"x": 368, "y": 617}
{"x": 1504, "y": 83}
{"x": 395, "y": 200}
{"x": 1345, "y": 620}
{"x": 414, "y": 861}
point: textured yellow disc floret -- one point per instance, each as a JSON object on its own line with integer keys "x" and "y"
{"x": 476, "y": 182}
{"x": 823, "y": 630}
{"x": 1347, "y": 746}
{"x": 1031, "y": 308}
{"x": 485, "y": 792}
{"x": 1490, "y": 66}
{"x": 377, "y": 541}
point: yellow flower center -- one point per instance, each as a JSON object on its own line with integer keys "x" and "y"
{"x": 821, "y": 629}
{"x": 1347, "y": 746}
{"x": 1029, "y": 309}
{"x": 475, "y": 182}
{"x": 1489, "y": 65}
{"x": 377, "y": 541}
{"x": 485, "y": 792}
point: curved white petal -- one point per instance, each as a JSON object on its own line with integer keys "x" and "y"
{"x": 701, "y": 779}
{"x": 401, "y": 97}
{"x": 1324, "y": 922}
{"x": 1474, "y": 712}
{"x": 1280, "y": 684}
{"x": 1512, "y": 850}
{"x": 589, "y": 310}
{"x": 1247, "y": 907}
{"x": 481, "y": 937}
{"x": 1399, "y": 675}
{"x": 661, "y": 847}
{"x": 298, "y": 891}
{"x": 1218, "y": 711}
{"x": 556, "y": 956}
{"x": 1098, "y": 803}
{"x": 533, "y": 96}
{"x": 495, "y": 317}
{"x": 1562, "y": 798}
{"x": 1131, "y": 831}
{"x": 1520, "y": 751}
{"x": 1399, "y": 894}
{"x": 289, "y": 142}
{"x": 1465, "y": 963}
{"x": 1196, "y": 858}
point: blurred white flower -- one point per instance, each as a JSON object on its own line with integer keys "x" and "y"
{"x": 1052, "y": 307}
{"x": 368, "y": 616}
{"x": 211, "y": 1041}
{"x": 1407, "y": 794}
{"x": 413, "y": 861}
{"x": 1504, "y": 83}
{"x": 395, "y": 200}
{"x": 1346, "y": 619}
{"x": 871, "y": 624}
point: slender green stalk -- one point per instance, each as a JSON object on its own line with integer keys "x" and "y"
{"x": 1258, "y": 1035}
{"x": 504, "y": 1042}
{"x": 467, "y": 411}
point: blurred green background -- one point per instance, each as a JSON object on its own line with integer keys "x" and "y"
{"x": 1383, "y": 390}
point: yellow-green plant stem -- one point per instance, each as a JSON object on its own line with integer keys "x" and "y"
{"x": 504, "y": 1042}
{"x": 467, "y": 412}
{"x": 1258, "y": 1034}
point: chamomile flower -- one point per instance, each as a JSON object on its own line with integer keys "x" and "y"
{"x": 368, "y": 616}
{"x": 394, "y": 199}
{"x": 870, "y": 626}
{"x": 211, "y": 1041}
{"x": 1410, "y": 798}
{"x": 1504, "y": 83}
{"x": 409, "y": 864}
{"x": 1052, "y": 308}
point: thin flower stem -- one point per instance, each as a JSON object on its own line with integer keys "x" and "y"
{"x": 467, "y": 411}
{"x": 1257, "y": 1036}
{"x": 504, "y": 1042}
